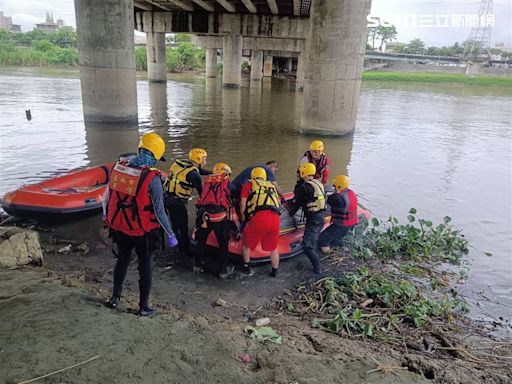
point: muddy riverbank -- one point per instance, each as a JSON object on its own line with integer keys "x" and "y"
{"x": 53, "y": 317}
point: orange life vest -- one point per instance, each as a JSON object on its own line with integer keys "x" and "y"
{"x": 130, "y": 209}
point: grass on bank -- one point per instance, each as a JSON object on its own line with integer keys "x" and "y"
{"x": 435, "y": 77}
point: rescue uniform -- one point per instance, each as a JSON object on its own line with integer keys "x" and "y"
{"x": 183, "y": 178}
{"x": 343, "y": 218}
{"x": 262, "y": 215}
{"x": 245, "y": 176}
{"x": 134, "y": 211}
{"x": 310, "y": 196}
{"x": 213, "y": 214}
{"x": 321, "y": 164}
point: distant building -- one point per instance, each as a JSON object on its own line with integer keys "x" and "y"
{"x": 504, "y": 47}
{"x": 6, "y": 23}
{"x": 392, "y": 46}
{"x": 49, "y": 25}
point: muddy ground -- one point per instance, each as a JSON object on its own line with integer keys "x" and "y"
{"x": 52, "y": 317}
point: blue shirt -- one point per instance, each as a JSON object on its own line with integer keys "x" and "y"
{"x": 245, "y": 176}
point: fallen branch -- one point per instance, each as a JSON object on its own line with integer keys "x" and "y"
{"x": 60, "y": 370}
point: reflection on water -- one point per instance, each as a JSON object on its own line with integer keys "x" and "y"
{"x": 445, "y": 150}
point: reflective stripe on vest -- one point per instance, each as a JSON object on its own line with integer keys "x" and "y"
{"x": 131, "y": 214}
{"x": 176, "y": 183}
{"x": 318, "y": 204}
{"x": 263, "y": 196}
{"x": 215, "y": 192}
{"x": 346, "y": 216}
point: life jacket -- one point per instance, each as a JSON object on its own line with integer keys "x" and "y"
{"x": 346, "y": 216}
{"x": 215, "y": 192}
{"x": 176, "y": 183}
{"x": 318, "y": 204}
{"x": 130, "y": 209}
{"x": 320, "y": 163}
{"x": 263, "y": 196}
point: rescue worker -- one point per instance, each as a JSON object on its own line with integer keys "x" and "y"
{"x": 213, "y": 214}
{"x": 184, "y": 177}
{"x": 315, "y": 155}
{"x": 259, "y": 206}
{"x": 309, "y": 194}
{"x": 343, "y": 203}
{"x": 270, "y": 168}
{"x": 133, "y": 208}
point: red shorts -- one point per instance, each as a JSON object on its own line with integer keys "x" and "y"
{"x": 264, "y": 227}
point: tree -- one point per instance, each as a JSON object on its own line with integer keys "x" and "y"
{"x": 372, "y": 35}
{"x": 385, "y": 34}
{"x": 182, "y": 38}
{"x": 64, "y": 37}
{"x": 415, "y": 46}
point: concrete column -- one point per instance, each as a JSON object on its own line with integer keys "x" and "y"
{"x": 472, "y": 69}
{"x": 157, "y": 70}
{"x": 211, "y": 62}
{"x": 300, "y": 71}
{"x": 267, "y": 65}
{"x": 231, "y": 71}
{"x": 107, "y": 60}
{"x": 289, "y": 64}
{"x": 337, "y": 42}
{"x": 256, "y": 65}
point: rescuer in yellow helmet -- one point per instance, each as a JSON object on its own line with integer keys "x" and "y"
{"x": 213, "y": 214}
{"x": 343, "y": 203}
{"x": 259, "y": 207}
{"x": 184, "y": 176}
{"x": 316, "y": 155}
{"x": 133, "y": 208}
{"x": 309, "y": 194}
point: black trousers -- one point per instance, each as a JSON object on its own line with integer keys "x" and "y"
{"x": 177, "y": 210}
{"x": 145, "y": 246}
{"x": 314, "y": 225}
{"x": 222, "y": 231}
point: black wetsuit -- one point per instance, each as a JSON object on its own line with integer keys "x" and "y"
{"x": 304, "y": 193}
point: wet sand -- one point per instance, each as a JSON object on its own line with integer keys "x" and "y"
{"x": 52, "y": 317}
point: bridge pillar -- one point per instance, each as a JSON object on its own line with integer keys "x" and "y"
{"x": 256, "y": 64}
{"x": 289, "y": 64}
{"x": 472, "y": 69}
{"x": 337, "y": 42}
{"x": 231, "y": 70}
{"x": 211, "y": 62}
{"x": 107, "y": 60}
{"x": 300, "y": 71}
{"x": 157, "y": 70}
{"x": 267, "y": 65}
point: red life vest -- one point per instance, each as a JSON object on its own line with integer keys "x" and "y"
{"x": 130, "y": 209}
{"x": 346, "y": 216}
{"x": 215, "y": 193}
{"x": 320, "y": 163}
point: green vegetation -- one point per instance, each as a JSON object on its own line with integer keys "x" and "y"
{"x": 438, "y": 77}
{"x": 38, "y": 48}
{"x": 400, "y": 295}
{"x": 182, "y": 58}
{"x": 418, "y": 240}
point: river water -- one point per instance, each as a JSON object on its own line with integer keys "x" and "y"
{"x": 443, "y": 149}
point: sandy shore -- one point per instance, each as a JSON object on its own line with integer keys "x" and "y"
{"x": 53, "y": 317}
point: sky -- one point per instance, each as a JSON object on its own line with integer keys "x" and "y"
{"x": 436, "y": 22}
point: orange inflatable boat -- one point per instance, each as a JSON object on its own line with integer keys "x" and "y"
{"x": 290, "y": 238}
{"x": 76, "y": 192}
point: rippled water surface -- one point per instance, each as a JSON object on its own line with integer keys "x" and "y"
{"x": 443, "y": 149}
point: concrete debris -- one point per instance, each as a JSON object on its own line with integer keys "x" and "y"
{"x": 18, "y": 247}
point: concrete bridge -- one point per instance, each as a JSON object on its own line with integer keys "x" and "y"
{"x": 411, "y": 58}
{"x": 327, "y": 36}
